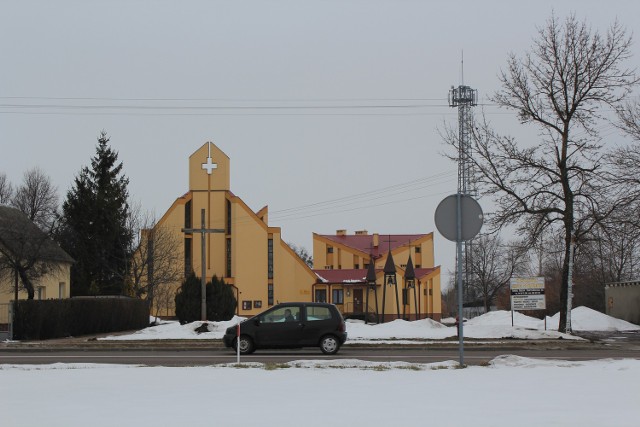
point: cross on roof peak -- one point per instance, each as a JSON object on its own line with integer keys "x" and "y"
{"x": 209, "y": 166}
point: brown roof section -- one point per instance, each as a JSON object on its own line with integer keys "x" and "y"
{"x": 364, "y": 242}
{"x": 24, "y": 239}
{"x": 342, "y": 276}
{"x": 357, "y": 277}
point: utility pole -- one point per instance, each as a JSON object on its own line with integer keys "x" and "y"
{"x": 203, "y": 232}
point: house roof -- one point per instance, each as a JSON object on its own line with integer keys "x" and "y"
{"x": 19, "y": 235}
{"x": 342, "y": 276}
{"x": 364, "y": 242}
{"x": 359, "y": 276}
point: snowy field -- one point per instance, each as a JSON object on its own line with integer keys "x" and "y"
{"x": 510, "y": 391}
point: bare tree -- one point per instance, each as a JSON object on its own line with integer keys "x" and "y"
{"x": 303, "y": 254}
{"x": 37, "y": 198}
{"x": 559, "y": 86}
{"x": 6, "y": 189}
{"x": 26, "y": 251}
{"x": 492, "y": 266}
{"x": 629, "y": 116}
{"x": 155, "y": 264}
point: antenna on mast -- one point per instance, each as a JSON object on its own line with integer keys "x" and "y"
{"x": 462, "y": 68}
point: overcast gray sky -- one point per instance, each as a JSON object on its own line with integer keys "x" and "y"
{"x": 319, "y": 104}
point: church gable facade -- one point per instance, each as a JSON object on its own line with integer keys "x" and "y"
{"x": 240, "y": 247}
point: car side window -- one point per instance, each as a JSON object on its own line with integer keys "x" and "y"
{"x": 282, "y": 314}
{"x": 318, "y": 313}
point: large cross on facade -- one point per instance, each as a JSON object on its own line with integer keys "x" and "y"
{"x": 209, "y": 166}
{"x": 203, "y": 231}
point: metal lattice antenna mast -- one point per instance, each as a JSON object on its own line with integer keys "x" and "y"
{"x": 464, "y": 98}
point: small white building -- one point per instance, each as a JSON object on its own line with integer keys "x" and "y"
{"x": 622, "y": 300}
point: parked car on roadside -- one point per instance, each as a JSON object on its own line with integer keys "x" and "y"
{"x": 291, "y": 325}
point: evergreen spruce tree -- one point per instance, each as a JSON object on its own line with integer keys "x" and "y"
{"x": 94, "y": 230}
{"x": 188, "y": 299}
{"x": 221, "y": 302}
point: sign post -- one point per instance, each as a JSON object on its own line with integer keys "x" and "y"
{"x": 238, "y": 341}
{"x": 459, "y": 218}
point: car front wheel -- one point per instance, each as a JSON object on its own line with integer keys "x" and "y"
{"x": 246, "y": 345}
{"x": 329, "y": 344}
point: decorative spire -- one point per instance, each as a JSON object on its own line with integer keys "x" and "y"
{"x": 409, "y": 273}
{"x": 390, "y": 266}
{"x": 371, "y": 272}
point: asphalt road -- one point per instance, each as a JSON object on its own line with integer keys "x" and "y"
{"x": 211, "y": 356}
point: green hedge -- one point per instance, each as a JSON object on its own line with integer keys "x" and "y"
{"x": 39, "y": 320}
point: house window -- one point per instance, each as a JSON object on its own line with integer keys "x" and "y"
{"x": 246, "y": 305}
{"x": 321, "y": 295}
{"x": 357, "y": 266}
{"x": 418, "y": 266}
{"x": 42, "y": 292}
{"x": 61, "y": 290}
{"x": 270, "y": 294}
{"x": 257, "y": 304}
{"x": 270, "y": 259}
{"x": 418, "y": 248}
{"x": 329, "y": 249}
{"x": 337, "y": 296}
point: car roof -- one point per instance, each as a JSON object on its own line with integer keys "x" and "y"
{"x": 324, "y": 304}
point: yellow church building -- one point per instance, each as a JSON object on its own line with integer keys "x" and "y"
{"x": 251, "y": 257}
{"x": 240, "y": 246}
{"x": 411, "y": 292}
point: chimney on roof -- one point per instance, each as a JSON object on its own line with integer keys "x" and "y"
{"x": 362, "y": 233}
{"x": 341, "y": 232}
{"x": 376, "y": 240}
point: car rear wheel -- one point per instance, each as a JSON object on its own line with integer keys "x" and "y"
{"x": 329, "y": 344}
{"x": 246, "y": 345}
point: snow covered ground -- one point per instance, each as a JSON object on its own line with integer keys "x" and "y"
{"x": 510, "y": 391}
{"x": 493, "y": 325}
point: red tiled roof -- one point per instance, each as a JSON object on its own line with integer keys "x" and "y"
{"x": 342, "y": 276}
{"x": 364, "y": 242}
{"x": 421, "y": 272}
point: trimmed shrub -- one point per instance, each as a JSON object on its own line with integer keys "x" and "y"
{"x": 221, "y": 302}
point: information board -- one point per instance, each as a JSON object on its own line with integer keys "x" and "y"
{"x": 527, "y": 293}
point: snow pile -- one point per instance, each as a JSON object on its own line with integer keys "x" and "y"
{"x": 492, "y": 325}
{"x": 172, "y": 330}
{"x": 587, "y": 319}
